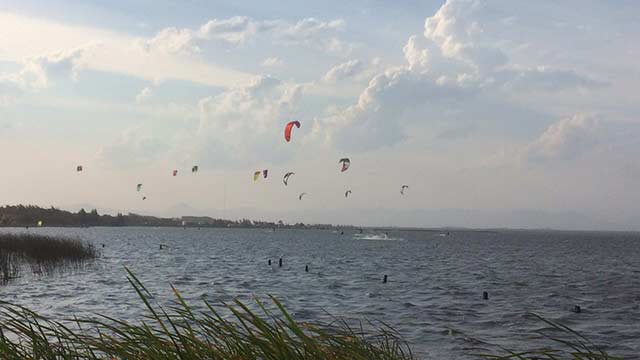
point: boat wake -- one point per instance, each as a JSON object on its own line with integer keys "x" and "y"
{"x": 376, "y": 237}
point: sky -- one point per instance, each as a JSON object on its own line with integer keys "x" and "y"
{"x": 494, "y": 113}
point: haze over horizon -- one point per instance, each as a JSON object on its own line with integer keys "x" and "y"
{"x": 495, "y": 113}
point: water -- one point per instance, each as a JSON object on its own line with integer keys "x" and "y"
{"x": 433, "y": 296}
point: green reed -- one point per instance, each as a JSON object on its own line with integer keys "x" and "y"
{"x": 224, "y": 331}
{"x": 180, "y": 332}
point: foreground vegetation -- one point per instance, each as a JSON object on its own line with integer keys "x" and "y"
{"x": 181, "y": 333}
{"x": 41, "y": 254}
{"x": 230, "y": 331}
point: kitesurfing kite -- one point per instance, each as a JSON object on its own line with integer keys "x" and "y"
{"x": 345, "y": 164}
{"x": 256, "y": 175}
{"x": 138, "y": 187}
{"x": 301, "y": 195}
{"x": 403, "y": 188}
{"x": 288, "y": 128}
{"x": 194, "y": 169}
{"x": 175, "y": 172}
{"x": 285, "y": 179}
{"x": 347, "y": 193}
{"x": 79, "y": 168}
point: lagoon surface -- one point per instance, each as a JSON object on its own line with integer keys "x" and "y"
{"x": 433, "y": 296}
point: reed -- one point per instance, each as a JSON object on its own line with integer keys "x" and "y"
{"x": 233, "y": 331}
{"x": 42, "y": 254}
{"x": 226, "y": 331}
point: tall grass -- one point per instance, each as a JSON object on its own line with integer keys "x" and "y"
{"x": 229, "y": 331}
{"x": 232, "y": 331}
{"x": 179, "y": 332}
{"x": 42, "y": 254}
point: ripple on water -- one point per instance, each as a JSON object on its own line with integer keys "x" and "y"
{"x": 433, "y": 296}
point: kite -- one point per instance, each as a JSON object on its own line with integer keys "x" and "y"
{"x": 285, "y": 179}
{"x": 288, "y": 128}
{"x": 345, "y": 164}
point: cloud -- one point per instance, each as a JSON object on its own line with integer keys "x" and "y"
{"x": 543, "y": 78}
{"x": 381, "y": 112}
{"x": 172, "y": 40}
{"x": 272, "y": 62}
{"x": 453, "y": 28}
{"x": 567, "y": 138}
{"x": 244, "y": 124}
{"x": 344, "y": 71}
{"x": 447, "y": 67}
{"x": 314, "y": 33}
{"x": 136, "y": 147}
{"x": 238, "y": 30}
{"x": 234, "y": 30}
{"x": 144, "y": 95}
{"x": 238, "y": 127}
{"x": 158, "y": 58}
{"x": 37, "y": 72}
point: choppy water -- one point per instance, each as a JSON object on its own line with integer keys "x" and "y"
{"x": 435, "y": 282}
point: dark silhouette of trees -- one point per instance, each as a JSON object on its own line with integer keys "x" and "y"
{"x": 30, "y": 215}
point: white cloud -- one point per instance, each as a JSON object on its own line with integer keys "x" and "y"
{"x": 135, "y": 147}
{"x": 567, "y": 139}
{"x": 144, "y": 95}
{"x": 37, "y": 72}
{"x": 234, "y": 30}
{"x": 272, "y": 62}
{"x": 314, "y": 33}
{"x": 244, "y": 124}
{"x": 172, "y": 40}
{"x": 444, "y": 69}
{"x": 238, "y": 30}
{"x": 344, "y": 71}
{"x": 158, "y": 58}
{"x": 543, "y": 78}
{"x": 454, "y": 28}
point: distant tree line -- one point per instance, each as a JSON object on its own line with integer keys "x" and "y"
{"x": 31, "y": 216}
